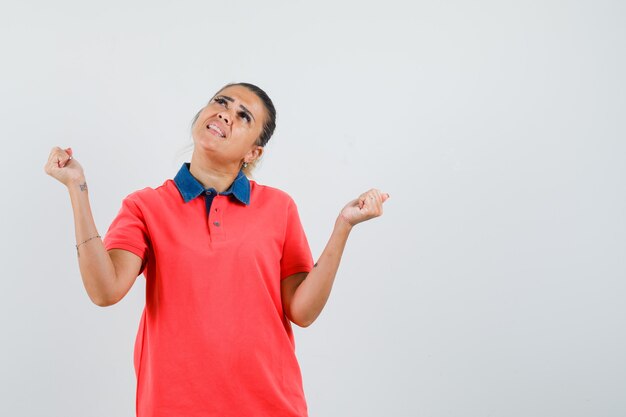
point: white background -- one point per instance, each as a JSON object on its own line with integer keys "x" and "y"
{"x": 494, "y": 283}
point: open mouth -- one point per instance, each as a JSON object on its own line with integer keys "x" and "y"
{"x": 216, "y": 130}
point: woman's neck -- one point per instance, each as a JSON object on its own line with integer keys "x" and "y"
{"x": 211, "y": 176}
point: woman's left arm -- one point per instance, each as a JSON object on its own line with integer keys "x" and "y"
{"x": 304, "y": 299}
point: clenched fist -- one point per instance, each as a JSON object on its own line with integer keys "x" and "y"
{"x": 367, "y": 206}
{"x": 63, "y": 167}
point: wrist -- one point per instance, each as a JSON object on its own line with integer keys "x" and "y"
{"x": 343, "y": 222}
{"x": 76, "y": 182}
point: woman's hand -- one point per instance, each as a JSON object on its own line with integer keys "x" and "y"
{"x": 367, "y": 206}
{"x": 63, "y": 167}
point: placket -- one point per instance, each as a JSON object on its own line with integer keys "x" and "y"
{"x": 214, "y": 208}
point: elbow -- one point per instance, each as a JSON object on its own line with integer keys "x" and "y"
{"x": 303, "y": 321}
{"x": 103, "y": 301}
{"x": 102, "y": 297}
{"x": 302, "y": 324}
{"x": 299, "y": 315}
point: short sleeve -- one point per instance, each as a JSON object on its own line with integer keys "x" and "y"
{"x": 128, "y": 231}
{"x": 296, "y": 255}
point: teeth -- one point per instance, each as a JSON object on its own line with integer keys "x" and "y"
{"x": 217, "y": 129}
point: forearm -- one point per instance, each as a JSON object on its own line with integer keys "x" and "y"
{"x": 96, "y": 268}
{"x": 311, "y": 295}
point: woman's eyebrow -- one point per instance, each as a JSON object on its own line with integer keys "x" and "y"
{"x": 241, "y": 105}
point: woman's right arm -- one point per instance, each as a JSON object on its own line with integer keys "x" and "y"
{"x": 107, "y": 276}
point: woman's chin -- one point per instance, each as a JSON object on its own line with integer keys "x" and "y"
{"x": 208, "y": 143}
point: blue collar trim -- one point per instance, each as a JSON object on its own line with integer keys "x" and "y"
{"x": 190, "y": 188}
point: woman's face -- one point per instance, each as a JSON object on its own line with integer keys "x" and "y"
{"x": 229, "y": 125}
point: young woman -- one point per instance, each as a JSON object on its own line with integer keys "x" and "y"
{"x": 227, "y": 267}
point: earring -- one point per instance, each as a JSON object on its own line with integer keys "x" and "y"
{"x": 245, "y": 165}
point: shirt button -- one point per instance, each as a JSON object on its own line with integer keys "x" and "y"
{"x": 216, "y": 224}
{"x": 207, "y": 192}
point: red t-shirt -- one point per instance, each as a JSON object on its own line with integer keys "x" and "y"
{"x": 213, "y": 339}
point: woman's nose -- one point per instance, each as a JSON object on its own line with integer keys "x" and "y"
{"x": 224, "y": 117}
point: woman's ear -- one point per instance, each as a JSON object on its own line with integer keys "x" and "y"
{"x": 254, "y": 154}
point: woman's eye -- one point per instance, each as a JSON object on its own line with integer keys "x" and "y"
{"x": 222, "y": 101}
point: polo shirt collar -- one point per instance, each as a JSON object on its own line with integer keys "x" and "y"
{"x": 190, "y": 188}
